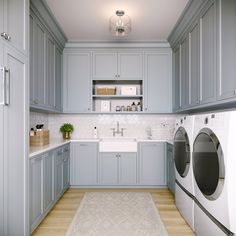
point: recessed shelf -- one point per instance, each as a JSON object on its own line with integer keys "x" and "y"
{"x": 114, "y": 95}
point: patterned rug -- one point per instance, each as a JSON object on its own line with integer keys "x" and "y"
{"x": 117, "y": 214}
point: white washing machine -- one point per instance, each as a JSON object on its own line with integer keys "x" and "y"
{"x": 184, "y": 190}
{"x": 214, "y": 168}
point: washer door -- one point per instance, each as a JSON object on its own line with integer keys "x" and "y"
{"x": 182, "y": 152}
{"x": 208, "y": 164}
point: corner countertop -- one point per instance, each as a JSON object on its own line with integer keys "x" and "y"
{"x": 54, "y": 143}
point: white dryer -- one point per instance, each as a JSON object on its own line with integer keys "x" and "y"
{"x": 184, "y": 190}
{"x": 214, "y": 168}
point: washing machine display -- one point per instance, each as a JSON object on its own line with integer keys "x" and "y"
{"x": 208, "y": 164}
{"x": 182, "y": 152}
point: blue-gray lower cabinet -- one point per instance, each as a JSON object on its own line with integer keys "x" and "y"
{"x": 48, "y": 179}
{"x": 48, "y": 193}
{"x": 84, "y": 163}
{"x": 117, "y": 168}
{"x": 58, "y": 172}
{"x": 170, "y": 168}
{"x": 152, "y": 163}
{"x": 36, "y": 189}
{"x": 66, "y": 167}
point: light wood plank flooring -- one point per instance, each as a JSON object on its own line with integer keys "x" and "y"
{"x": 58, "y": 220}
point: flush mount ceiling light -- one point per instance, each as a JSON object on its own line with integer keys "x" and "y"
{"x": 120, "y": 24}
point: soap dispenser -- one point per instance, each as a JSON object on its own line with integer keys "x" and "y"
{"x": 95, "y": 133}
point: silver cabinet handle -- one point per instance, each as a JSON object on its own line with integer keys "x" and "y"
{"x": 5, "y": 36}
{"x": 6, "y": 86}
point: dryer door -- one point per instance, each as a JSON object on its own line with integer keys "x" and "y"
{"x": 182, "y": 152}
{"x": 208, "y": 164}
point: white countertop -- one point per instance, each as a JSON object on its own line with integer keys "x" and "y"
{"x": 54, "y": 143}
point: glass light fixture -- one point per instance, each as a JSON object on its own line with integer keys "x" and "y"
{"x": 120, "y": 24}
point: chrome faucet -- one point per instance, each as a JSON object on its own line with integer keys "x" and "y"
{"x": 117, "y": 130}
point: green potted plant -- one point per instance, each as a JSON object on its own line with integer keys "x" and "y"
{"x": 66, "y": 130}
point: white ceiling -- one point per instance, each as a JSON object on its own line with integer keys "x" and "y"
{"x": 88, "y": 20}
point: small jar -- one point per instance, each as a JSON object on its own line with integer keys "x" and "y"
{"x": 117, "y": 108}
{"x": 133, "y": 107}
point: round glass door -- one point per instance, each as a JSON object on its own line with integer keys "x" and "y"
{"x": 182, "y": 152}
{"x": 208, "y": 164}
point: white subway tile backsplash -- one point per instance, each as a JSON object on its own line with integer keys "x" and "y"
{"x": 161, "y": 126}
{"x": 38, "y": 118}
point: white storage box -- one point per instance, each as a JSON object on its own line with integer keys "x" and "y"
{"x": 128, "y": 90}
{"x": 105, "y": 106}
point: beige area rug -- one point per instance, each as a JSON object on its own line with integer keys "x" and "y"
{"x": 117, "y": 214}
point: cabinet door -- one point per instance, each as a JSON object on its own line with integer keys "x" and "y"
{"x": 152, "y": 164}
{"x": 227, "y": 36}
{"x": 77, "y": 82}
{"x": 58, "y": 78}
{"x": 35, "y": 190}
{"x": 84, "y": 163}
{"x": 58, "y": 173}
{"x": 66, "y": 167}
{"x": 130, "y": 66}
{"x": 208, "y": 54}
{"x": 50, "y": 73}
{"x": 31, "y": 55}
{"x": 158, "y": 80}
{"x": 1, "y": 140}
{"x": 184, "y": 73}
{"x": 194, "y": 79}
{"x": 39, "y": 64}
{"x": 176, "y": 79}
{"x": 170, "y": 168}
{"x": 127, "y": 168}
{"x": 1, "y": 20}
{"x": 105, "y": 65}
{"x": 108, "y": 168}
{"x": 48, "y": 188}
{"x": 15, "y": 159}
{"x": 15, "y": 23}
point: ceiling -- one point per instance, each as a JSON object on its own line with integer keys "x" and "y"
{"x": 88, "y": 20}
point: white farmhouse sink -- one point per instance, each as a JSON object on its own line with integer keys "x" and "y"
{"x": 118, "y": 145}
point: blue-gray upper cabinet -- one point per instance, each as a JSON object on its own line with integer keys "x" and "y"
{"x": 13, "y": 25}
{"x": 227, "y": 55}
{"x": 38, "y": 81}
{"x": 194, "y": 81}
{"x": 176, "y": 79}
{"x": 58, "y": 78}
{"x": 84, "y": 163}
{"x": 152, "y": 163}
{"x": 50, "y": 69}
{"x": 110, "y": 65}
{"x": 208, "y": 54}
{"x": 184, "y": 72}
{"x": 77, "y": 82}
{"x": 158, "y": 92}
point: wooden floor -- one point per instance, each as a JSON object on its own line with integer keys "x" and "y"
{"x": 58, "y": 220}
